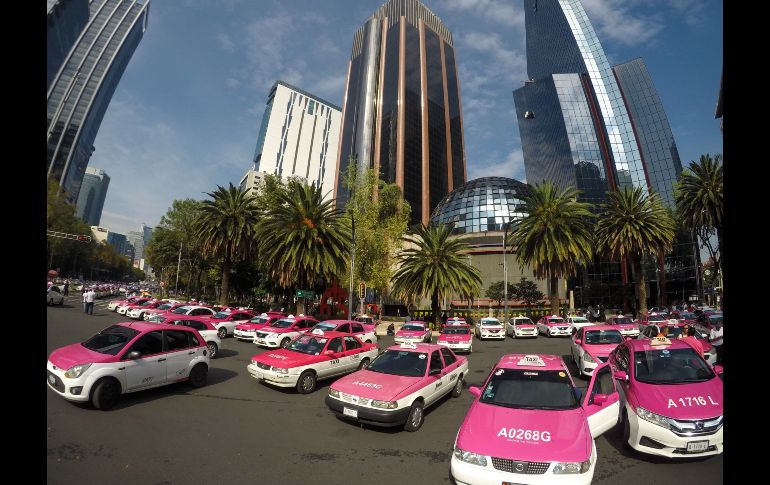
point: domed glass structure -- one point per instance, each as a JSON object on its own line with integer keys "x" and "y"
{"x": 484, "y": 204}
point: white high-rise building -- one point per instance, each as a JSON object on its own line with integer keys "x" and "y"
{"x": 299, "y": 136}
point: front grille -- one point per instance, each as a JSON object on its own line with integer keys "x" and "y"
{"x": 695, "y": 427}
{"x": 563, "y": 328}
{"x": 261, "y": 334}
{"x": 58, "y": 384}
{"x": 683, "y": 451}
{"x": 263, "y": 366}
{"x": 526, "y": 467}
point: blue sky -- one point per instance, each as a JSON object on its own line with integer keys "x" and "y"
{"x": 186, "y": 114}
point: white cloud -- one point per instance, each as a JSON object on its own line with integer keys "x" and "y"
{"x": 498, "y": 11}
{"x": 225, "y": 42}
{"x": 232, "y": 82}
{"x": 330, "y": 87}
{"x": 512, "y": 167}
{"x": 615, "y": 22}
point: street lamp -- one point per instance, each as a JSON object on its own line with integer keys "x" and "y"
{"x": 505, "y": 268}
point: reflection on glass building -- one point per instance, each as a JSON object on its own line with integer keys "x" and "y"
{"x": 65, "y": 21}
{"x": 401, "y": 114}
{"x": 598, "y": 128}
{"x": 81, "y": 91}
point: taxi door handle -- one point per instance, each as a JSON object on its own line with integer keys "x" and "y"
{"x": 161, "y": 360}
{"x": 190, "y": 352}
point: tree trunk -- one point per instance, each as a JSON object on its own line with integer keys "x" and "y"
{"x": 224, "y": 295}
{"x": 641, "y": 288}
{"x": 721, "y": 262}
{"x": 434, "y": 307}
{"x": 554, "y": 295}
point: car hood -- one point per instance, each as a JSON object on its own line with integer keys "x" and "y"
{"x": 454, "y": 337}
{"x": 66, "y": 357}
{"x": 410, "y": 333}
{"x": 526, "y": 325}
{"x": 558, "y": 324}
{"x": 602, "y": 350}
{"x": 376, "y": 385}
{"x": 278, "y": 330}
{"x": 249, "y": 326}
{"x": 287, "y": 359}
{"x": 678, "y": 401}
{"x": 493, "y": 431}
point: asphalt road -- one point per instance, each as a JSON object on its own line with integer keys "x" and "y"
{"x": 235, "y": 430}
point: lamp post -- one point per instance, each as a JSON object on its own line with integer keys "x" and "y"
{"x": 505, "y": 268}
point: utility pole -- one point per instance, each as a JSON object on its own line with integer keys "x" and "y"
{"x": 179, "y": 261}
{"x": 352, "y": 159}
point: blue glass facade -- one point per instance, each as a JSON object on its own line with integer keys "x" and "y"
{"x": 93, "y": 192}
{"x": 66, "y": 20}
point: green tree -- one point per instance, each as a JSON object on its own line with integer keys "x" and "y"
{"x": 527, "y": 291}
{"x": 496, "y": 291}
{"x": 226, "y": 227}
{"x": 632, "y": 225}
{"x": 699, "y": 197}
{"x": 555, "y": 235}
{"x": 302, "y": 238}
{"x": 432, "y": 265}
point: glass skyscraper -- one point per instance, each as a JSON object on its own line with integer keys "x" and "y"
{"x": 401, "y": 114}
{"x": 79, "y": 94}
{"x": 66, "y": 20}
{"x": 93, "y": 191}
{"x": 598, "y": 128}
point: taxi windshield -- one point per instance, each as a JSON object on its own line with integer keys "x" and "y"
{"x": 400, "y": 363}
{"x": 282, "y": 323}
{"x": 456, "y": 330}
{"x": 490, "y": 322}
{"x": 555, "y": 320}
{"x": 221, "y": 315}
{"x": 308, "y": 344}
{"x": 670, "y": 366}
{"x": 181, "y": 310}
{"x": 259, "y": 320}
{"x": 579, "y": 320}
{"x": 530, "y": 389}
{"x": 165, "y": 306}
{"x": 600, "y": 337}
{"x": 621, "y": 320}
{"x": 523, "y": 321}
{"x": 326, "y": 327}
{"x": 716, "y": 317}
{"x": 414, "y": 327}
{"x": 111, "y": 340}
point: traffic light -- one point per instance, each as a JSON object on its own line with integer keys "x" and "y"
{"x": 362, "y": 290}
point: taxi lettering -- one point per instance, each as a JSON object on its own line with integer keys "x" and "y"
{"x": 691, "y": 401}
{"x": 334, "y": 361}
{"x": 367, "y": 384}
{"x": 276, "y": 356}
{"x": 524, "y": 434}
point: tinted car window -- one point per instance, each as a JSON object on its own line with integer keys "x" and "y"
{"x": 449, "y": 358}
{"x": 148, "y": 344}
{"x": 351, "y": 343}
{"x": 111, "y": 340}
{"x": 357, "y": 328}
{"x": 435, "y": 361}
{"x": 335, "y": 345}
{"x": 176, "y": 340}
{"x": 344, "y": 328}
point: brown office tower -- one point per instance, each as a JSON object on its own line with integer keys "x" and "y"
{"x": 401, "y": 113}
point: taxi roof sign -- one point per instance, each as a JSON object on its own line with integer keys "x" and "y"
{"x": 660, "y": 341}
{"x": 317, "y": 331}
{"x": 531, "y": 360}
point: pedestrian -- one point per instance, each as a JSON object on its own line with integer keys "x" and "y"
{"x": 89, "y": 299}
{"x": 66, "y": 287}
{"x": 688, "y": 337}
{"x": 85, "y": 304}
{"x": 663, "y": 332}
{"x": 715, "y": 337}
{"x": 590, "y": 313}
{"x": 601, "y": 317}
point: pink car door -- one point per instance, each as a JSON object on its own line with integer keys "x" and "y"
{"x": 601, "y": 402}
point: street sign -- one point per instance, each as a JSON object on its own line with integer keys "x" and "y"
{"x": 305, "y": 294}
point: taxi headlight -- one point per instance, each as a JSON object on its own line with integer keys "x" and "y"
{"x": 384, "y": 404}
{"x": 653, "y": 418}
{"x": 572, "y": 467}
{"x": 280, "y": 371}
{"x": 587, "y": 357}
{"x": 469, "y": 457}
{"x": 76, "y": 371}
{"x": 334, "y": 392}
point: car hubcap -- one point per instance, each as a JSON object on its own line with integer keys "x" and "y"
{"x": 459, "y": 386}
{"x": 307, "y": 383}
{"x": 416, "y": 416}
{"x": 212, "y": 350}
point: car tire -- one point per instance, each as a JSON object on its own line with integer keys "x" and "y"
{"x": 626, "y": 427}
{"x": 105, "y": 394}
{"x": 416, "y": 417}
{"x": 285, "y": 342}
{"x": 306, "y": 382}
{"x": 458, "y": 389}
{"x": 198, "y": 375}
{"x": 213, "y": 349}
{"x": 50, "y": 301}
{"x": 222, "y": 332}
{"x": 368, "y": 341}
{"x": 61, "y": 302}
{"x": 364, "y": 364}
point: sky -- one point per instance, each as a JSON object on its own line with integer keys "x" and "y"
{"x": 186, "y": 114}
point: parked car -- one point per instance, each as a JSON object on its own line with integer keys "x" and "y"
{"x": 55, "y": 295}
{"x": 520, "y": 327}
{"x": 365, "y": 332}
{"x": 490, "y": 327}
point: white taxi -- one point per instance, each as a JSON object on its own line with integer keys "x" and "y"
{"x": 490, "y": 327}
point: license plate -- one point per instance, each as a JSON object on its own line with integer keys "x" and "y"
{"x": 51, "y": 379}
{"x": 697, "y": 445}
{"x": 353, "y": 413}
{"x": 259, "y": 340}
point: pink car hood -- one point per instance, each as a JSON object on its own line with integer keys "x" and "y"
{"x": 249, "y": 326}
{"x": 602, "y": 350}
{"x": 558, "y": 324}
{"x": 287, "y": 359}
{"x": 526, "y": 325}
{"x": 66, "y": 357}
{"x": 493, "y": 431}
{"x": 278, "y": 330}
{"x": 665, "y": 399}
{"x": 410, "y": 333}
{"x": 376, "y": 385}
{"x": 455, "y": 337}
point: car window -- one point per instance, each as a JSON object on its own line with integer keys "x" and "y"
{"x": 241, "y": 316}
{"x": 176, "y": 340}
{"x": 195, "y": 324}
{"x": 435, "y": 361}
{"x": 603, "y": 383}
{"x": 351, "y": 343}
{"x": 344, "y": 328}
{"x": 335, "y": 345}
{"x": 193, "y": 339}
{"x": 622, "y": 358}
{"x": 449, "y": 358}
{"x": 148, "y": 344}
{"x": 357, "y": 328}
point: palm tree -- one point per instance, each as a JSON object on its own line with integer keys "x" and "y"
{"x": 434, "y": 266}
{"x": 699, "y": 196}
{"x": 302, "y": 238}
{"x": 632, "y": 225}
{"x": 226, "y": 227}
{"x": 555, "y": 235}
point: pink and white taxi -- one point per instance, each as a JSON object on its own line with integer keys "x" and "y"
{"x": 127, "y": 357}
{"x": 312, "y": 357}
{"x": 553, "y": 325}
{"x": 365, "y": 332}
{"x": 281, "y": 332}
{"x": 592, "y": 345}
{"x": 163, "y": 308}
{"x": 398, "y": 385}
{"x": 248, "y": 330}
{"x": 490, "y": 327}
{"x": 136, "y": 311}
{"x": 413, "y": 332}
{"x": 527, "y": 424}
{"x": 624, "y": 325}
{"x": 675, "y": 330}
{"x": 114, "y": 304}
{"x": 122, "y": 309}
{"x": 520, "y": 327}
{"x": 207, "y": 329}
{"x": 671, "y": 399}
{"x": 457, "y": 337}
{"x": 226, "y": 321}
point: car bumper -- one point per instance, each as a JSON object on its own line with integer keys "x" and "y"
{"x": 136, "y": 315}
{"x": 458, "y": 347}
{"x": 468, "y": 474}
{"x": 267, "y": 343}
{"x": 559, "y": 333}
{"x": 65, "y": 387}
{"x": 242, "y": 335}
{"x": 500, "y": 335}
{"x": 526, "y": 333}
{"x": 408, "y": 340}
{"x": 121, "y": 311}
{"x": 629, "y": 333}
{"x": 281, "y": 380}
{"x": 377, "y": 417}
{"x": 668, "y": 443}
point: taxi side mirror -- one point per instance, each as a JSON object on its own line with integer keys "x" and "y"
{"x": 621, "y": 375}
{"x": 718, "y": 369}
{"x": 133, "y": 355}
{"x": 578, "y": 341}
{"x": 475, "y": 391}
{"x": 599, "y": 399}
{"x": 434, "y": 372}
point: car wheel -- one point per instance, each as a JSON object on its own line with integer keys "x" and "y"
{"x": 50, "y": 301}
{"x": 364, "y": 364}
{"x": 415, "y": 418}
{"x": 198, "y": 375}
{"x": 285, "y": 342}
{"x": 213, "y": 349}
{"x": 105, "y": 394}
{"x": 458, "y": 389}
{"x": 61, "y": 302}
{"x": 368, "y": 341}
{"x": 626, "y": 429}
{"x": 222, "y": 332}
{"x": 306, "y": 382}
